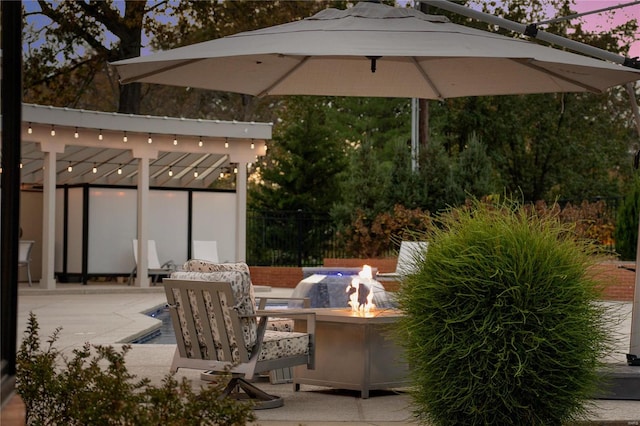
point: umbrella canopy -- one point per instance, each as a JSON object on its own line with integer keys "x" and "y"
{"x": 374, "y": 50}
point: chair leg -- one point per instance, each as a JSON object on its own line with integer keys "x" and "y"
{"x": 29, "y": 273}
{"x": 241, "y": 389}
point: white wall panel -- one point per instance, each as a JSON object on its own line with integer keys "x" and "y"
{"x": 74, "y": 231}
{"x": 169, "y": 224}
{"x": 112, "y": 228}
{"x": 214, "y": 218}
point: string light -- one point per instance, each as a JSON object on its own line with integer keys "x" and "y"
{"x": 200, "y": 142}
{"x": 150, "y": 140}
{"x": 95, "y": 169}
{"x": 120, "y": 169}
{"x": 170, "y": 172}
{"x": 70, "y": 168}
{"x": 226, "y": 143}
{"x": 100, "y": 135}
{"x": 125, "y": 138}
{"x": 75, "y": 134}
{"x": 29, "y": 130}
{"x": 53, "y": 130}
{"x": 175, "y": 140}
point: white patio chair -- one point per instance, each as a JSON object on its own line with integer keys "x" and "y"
{"x": 219, "y": 330}
{"x": 205, "y": 250}
{"x": 410, "y": 255}
{"x": 155, "y": 269}
{"x": 24, "y": 256}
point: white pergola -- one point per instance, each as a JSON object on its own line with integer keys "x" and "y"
{"x": 69, "y": 146}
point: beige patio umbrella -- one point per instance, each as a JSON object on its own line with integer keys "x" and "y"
{"x": 373, "y": 49}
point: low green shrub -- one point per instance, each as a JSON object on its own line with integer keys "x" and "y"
{"x": 94, "y": 387}
{"x": 502, "y": 324}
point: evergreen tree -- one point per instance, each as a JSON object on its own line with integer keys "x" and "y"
{"x": 300, "y": 171}
{"x": 626, "y": 232}
{"x": 474, "y": 171}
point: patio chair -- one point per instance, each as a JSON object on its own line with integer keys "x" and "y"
{"x": 410, "y": 255}
{"x": 205, "y": 250}
{"x": 219, "y": 330}
{"x": 24, "y": 256}
{"x": 155, "y": 269}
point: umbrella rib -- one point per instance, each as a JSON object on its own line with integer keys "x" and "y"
{"x": 426, "y": 78}
{"x": 156, "y": 71}
{"x": 283, "y": 77}
{"x": 528, "y": 63}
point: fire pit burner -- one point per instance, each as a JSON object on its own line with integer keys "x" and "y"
{"x": 327, "y": 288}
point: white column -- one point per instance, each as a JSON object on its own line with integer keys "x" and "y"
{"x": 142, "y": 276}
{"x": 48, "y": 280}
{"x": 241, "y": 213}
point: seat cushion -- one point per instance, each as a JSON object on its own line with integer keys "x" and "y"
{"x": 279, "y": 344}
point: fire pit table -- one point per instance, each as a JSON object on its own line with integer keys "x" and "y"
{"x": 354, "y": 351}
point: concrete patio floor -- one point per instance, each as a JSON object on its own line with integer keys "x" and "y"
{"x": 111, "y": 314}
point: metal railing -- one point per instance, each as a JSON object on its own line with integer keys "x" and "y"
{"x": 290, "y": 238}
{"x": 300, "y": 238}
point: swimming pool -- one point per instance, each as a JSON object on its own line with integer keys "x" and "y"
{"x": 165, "y": 335}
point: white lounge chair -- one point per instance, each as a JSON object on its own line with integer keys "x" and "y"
{"x": 24, "y": 256}
{"x": 410, "y": 255}
{"x": 155, "y": 269}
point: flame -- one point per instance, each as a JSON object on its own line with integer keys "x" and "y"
{"x": 360, "y": 294}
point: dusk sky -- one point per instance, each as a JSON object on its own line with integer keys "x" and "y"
{"x": 598, "y": 22}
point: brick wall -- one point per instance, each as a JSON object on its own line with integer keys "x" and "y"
{"x": 617, "y": 280}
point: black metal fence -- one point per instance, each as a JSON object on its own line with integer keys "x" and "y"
{"x": 290, "y": 238}
{"x": 299, "y": 238}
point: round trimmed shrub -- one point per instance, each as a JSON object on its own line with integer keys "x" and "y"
{"x": 502, "y": 324}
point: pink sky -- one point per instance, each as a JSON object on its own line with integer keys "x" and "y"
{"x": 598, "y": 22}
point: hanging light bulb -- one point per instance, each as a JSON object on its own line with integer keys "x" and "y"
{"x": 95, "y": 169}
{"x": 150, "y": 140}
{"x": 30, "y": 130}
{"x": 195, "y": 173}
{"x": 120, "y": 169}
{"x": 125, "y": 138}
{"x": 200, "y": 142}
{"x": 170, "y": 172}
{"x": 226, "y": 143}
{"x": 253, "y": 145}
{"x": 76, "y": 134}
{"x": 235, "y": 170}
{"x": 53, "y": 130}
{"x": 100, "y": 135}
{"x": 175, "y": 140}
{"x": 20, "y": 165}
{"x": 221, "y": 174}
{"x": 70, "y": 168}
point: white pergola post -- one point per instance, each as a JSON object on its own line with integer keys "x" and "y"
{"x": 48, "y": 280}
{"x": 241, "y": 218}
{"x": 142, "y": 266}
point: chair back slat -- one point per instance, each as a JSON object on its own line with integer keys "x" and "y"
{"x": 207, "y": 326}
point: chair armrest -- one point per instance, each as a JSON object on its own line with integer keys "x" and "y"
{"x": 306, "y": 302}
{"x": 308, "y": 315}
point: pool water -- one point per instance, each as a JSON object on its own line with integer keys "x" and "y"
{"x": 165, "y": 335}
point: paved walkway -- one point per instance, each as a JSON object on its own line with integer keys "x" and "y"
{"x": 110, "y": 314}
